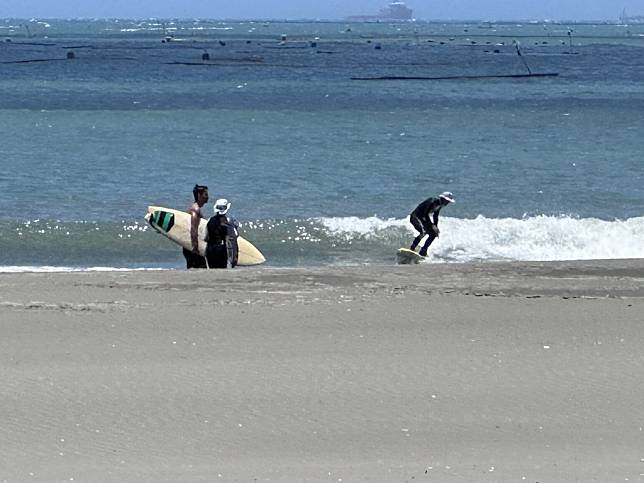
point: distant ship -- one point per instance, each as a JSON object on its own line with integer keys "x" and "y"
{"x": 393, "y": 11}
{"x": 624, "y": 18}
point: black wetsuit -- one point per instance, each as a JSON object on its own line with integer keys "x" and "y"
{"x": 233, "y": 248}
{"x": 217, "y": 245}
{"x": 421, "y": 220}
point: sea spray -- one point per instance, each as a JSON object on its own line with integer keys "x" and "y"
{"x": 539, "y": 238}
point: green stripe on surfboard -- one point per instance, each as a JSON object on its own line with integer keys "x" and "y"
{"x": 163, "y": 220}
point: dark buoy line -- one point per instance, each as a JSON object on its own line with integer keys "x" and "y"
{"x": 469, "y": 77}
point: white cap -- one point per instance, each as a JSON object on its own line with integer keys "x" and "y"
{"x": 222, "y": 205}
{"x": 446, "y": 195}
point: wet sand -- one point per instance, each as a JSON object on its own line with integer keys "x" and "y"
{"x": 497, "y": 372}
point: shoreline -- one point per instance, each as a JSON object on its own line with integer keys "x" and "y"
{"x": 454, "y": 373}
{"x": 577, "y": 278}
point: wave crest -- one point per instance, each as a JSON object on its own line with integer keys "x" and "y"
{"x": 538, "y": 238}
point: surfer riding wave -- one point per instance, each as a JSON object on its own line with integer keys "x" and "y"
{"x": 424, "y": 218}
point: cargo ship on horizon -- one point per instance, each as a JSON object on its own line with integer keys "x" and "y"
{"x": 393, "y": 11}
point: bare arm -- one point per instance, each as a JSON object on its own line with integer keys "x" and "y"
{"x": 194, "y": 230}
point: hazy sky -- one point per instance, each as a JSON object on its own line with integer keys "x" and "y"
{"x": 323, "y": 9}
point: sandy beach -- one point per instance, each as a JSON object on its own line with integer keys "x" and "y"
{"x": 495, "y": 372}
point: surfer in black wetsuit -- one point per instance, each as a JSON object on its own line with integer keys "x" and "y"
{"x": 425, "y": 219}
{"x": 193, "y": 259}
{"x": 221, "y": 237}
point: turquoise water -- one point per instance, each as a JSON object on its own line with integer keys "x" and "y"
{"x": 321, "y": 169}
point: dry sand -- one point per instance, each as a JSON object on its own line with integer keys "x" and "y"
{"x": 505, "y": 372}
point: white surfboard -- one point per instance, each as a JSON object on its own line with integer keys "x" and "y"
{"x": 405, "y": 256}
{"x": 175, "y": 225}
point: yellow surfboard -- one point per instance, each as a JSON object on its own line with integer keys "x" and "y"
{"x": 405, "y": 256}
{"x": 175, "y": 225}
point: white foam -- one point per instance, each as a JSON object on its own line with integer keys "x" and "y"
{"x": 352, "y": 226}
{"x": 538, "y": 238}
{"x": 54, "y": 269}
{"x": 541, "y": 238}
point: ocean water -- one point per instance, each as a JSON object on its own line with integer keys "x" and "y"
{"x": 321, "y": 169}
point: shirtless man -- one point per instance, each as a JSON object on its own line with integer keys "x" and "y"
{"x": 193, "y": 259}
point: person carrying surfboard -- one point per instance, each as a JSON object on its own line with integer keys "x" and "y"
{"x": 221, "y": 237}
{"x": 193, "y": 259}
{"x": 424, "y": 218}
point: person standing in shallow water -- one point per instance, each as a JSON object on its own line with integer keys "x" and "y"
{"x": 193, "y": 258}
{"x": 424, "y": 218}
{"x": 221, "y": 237}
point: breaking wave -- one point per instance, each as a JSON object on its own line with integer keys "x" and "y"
{"x": 539, "y": 238}
{"x": 46, "y": 246}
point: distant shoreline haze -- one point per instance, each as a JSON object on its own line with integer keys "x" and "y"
{"x": 633, "y": 19}
{"x": 331, "y": 10}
